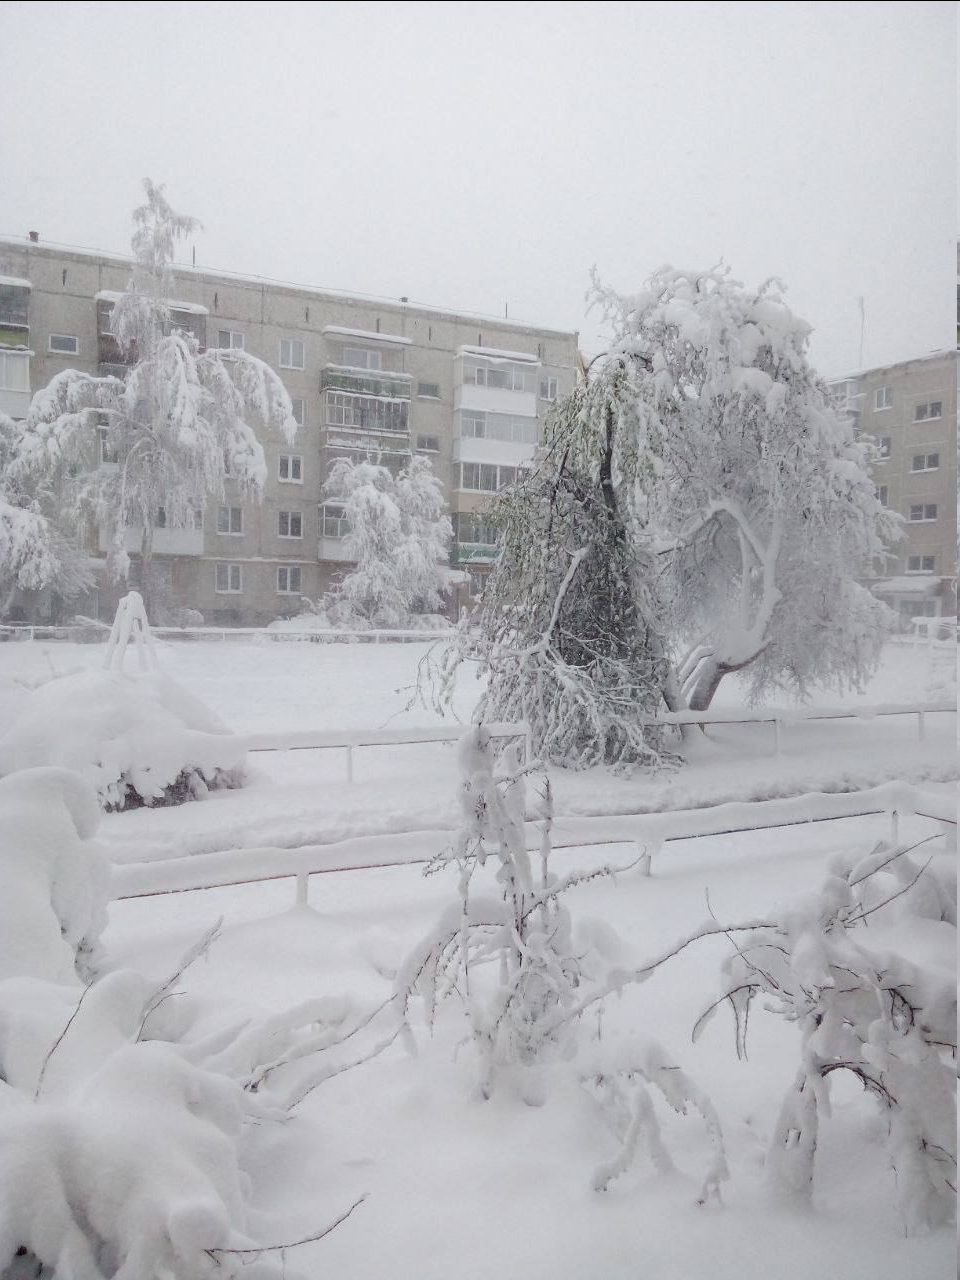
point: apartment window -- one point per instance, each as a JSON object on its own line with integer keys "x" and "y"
{"x": 428, "y": 390}
{"x": 230, "y": 520}
{"x": 288, "y": 579}
{"x": 160, "y": 520}
{"x": 883, "y": 447}
{"x": 925, "y": 462}
{"x": 883, "y": 398}
{"x": 474, "y": 529}
{"x": 476, "y": 581}
{"x": 343, "y": 410}
{"x": 333, "y": 521}
{"x": 104, "y": 317}
{"x": 476, "y": 424}
{"x": 230, "y": 340}
{"x": 362, "y": 358}
{"x": 428, "y": 444}
{"x": 882, "y": 494}
{"x": 504, "y": 379}
{"x": 925, "y": 412}
{"x": 14, "y": 371}
{"x": 548, "y": 388}
{"x": 922, "y": 512}
{"x": 14, "y": 305}
{"x": 921, "y": 564}
{"x": 291, "y": 353}
{"x": 297, "y": 410}
{"x": 485, "y": 477}
{"x": 63, "y": 344}
{"x": 290, "y": 468}
{"x": 228, "y": 579}
{"x": 290, "y": 524}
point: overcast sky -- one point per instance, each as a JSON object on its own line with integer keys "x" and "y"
{"x": 476, "y": 155}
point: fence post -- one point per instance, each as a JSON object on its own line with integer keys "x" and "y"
{"x": 646, "y": 859}
{"x": 349, "y": 764}
{"x": 776, "y": 735}
{"x": 921, "y": 727}
{"x": 303, "y": 884}
{"x": 894, "y": 828}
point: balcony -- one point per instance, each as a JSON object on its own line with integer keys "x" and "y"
{"x": 474, "y": 553}
{"x": 332, "y": 549}
{"x": 384, "y": 385}
{"x": 14, "y": 312}
{"x": 166, "y": 542}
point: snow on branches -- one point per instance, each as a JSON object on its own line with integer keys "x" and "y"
{"x": 398, "y": 533}
{"x": 175, "y": 425}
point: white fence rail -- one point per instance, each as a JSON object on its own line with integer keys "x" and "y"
{"x": 94, "y": 632}
{"x": 648, "y": 831}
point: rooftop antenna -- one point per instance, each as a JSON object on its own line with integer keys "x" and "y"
{"x": 863, "y": 325}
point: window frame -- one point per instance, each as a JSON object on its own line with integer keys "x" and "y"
{"x": 290, "y": 459}
{"x": 291, "y": 342}
{"x": 288, "y": 569}
{"x": 550, "y": 380}
{"x": 924, "y": 459}
{"x": 17, "y": 359}
{"x": 887, "y": 396}
{"x": 228, "y": 590}
{"x": 434, "y": 394}
{"x": 291, "y": 516}
{"x": 920, "y": 557}
{"x": 428, "y": 448}
{"x": 229, "y": 532}
{"x": 69, "y": 337}
{"x": 340, "y": 520}
{"x": 372, "y": 362}
{"x": 231, "y": 345}
{"x": 299, "y": 400}
{"x": 928, "y": 417}
{"x": 925, "y": 508}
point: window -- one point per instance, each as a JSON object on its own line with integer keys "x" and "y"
{"x": 291, "y": 353}
{"x": 63, "y": 344}
{"x": 428, "y": 444}
{"x": 14, "y": 304}
{"x": 362, "y": 358}
{"x": 230, "y": 520}
{"x": 924, "y": 412}
{"x": 14, "y": 371}
{"x": 333, "y": 522}
{"x": 474, "y": 528}
{"x": 883, "y": 447}
{"x": 290, "y": 468}
{"x": 290, "y": 524}
{"x": 548, "y": 388}
{"x": 104, "y": 315}
{"x": 882, "y": 494}
{"x": 230, "y": 340}
{"x": 228, "y": 579}
{"x": 476, "y": 424}
{"x": 925, "y": 462}
{"x": 485, "y": 477}
{"x": 922, "y": 512}
{"x": 297, "y": 410}
{"x": 507, "y": 379}
{"x": 160, "y": 522}
{"x": 288, "y": 579}
{"x": 343, "y": 410}
{"x": 428, "y": 390}
{"x": 921, "y": 564}
{"x": 883, "y": 398}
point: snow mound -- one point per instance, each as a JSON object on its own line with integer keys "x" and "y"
{"x": 138, "y": 739}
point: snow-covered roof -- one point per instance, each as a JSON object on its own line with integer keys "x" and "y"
{"x": 18, "y": 349}
{"x": 385, "y": 375}
{"x": 908, "y": 585}
{"x": 367, "y": 335}
{"x": 492, "y": 353}
{"x": 195, "y": 308}
{"x": 16, "y": 281}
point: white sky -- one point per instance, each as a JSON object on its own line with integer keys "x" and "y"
{"x": 470, "y": 155}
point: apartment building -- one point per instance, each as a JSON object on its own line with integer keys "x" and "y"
{"x": 910, "y": 409}
{"x": 368, "y": 378}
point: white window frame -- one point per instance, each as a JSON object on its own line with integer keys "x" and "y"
{"x": 552, "y": 385}
{"x": 884, "y": 446}
{"x": 928, "y": 417}
{"x": 298, "y": 400}
{"x": 497, "y": 468}
{"x": 926, "y": 464}
{"x": 920, "y": 565}
{"x": 234, "y": 340}
{"x": 291, "y": 343}
{"x": 338, "y": 522}
{"x": 294, "y": 462}
{"x": 286, "y": 570}
{"x": 428, "y": 395}
{"x": 290, "y": 515}
{"x": 428, "y": 448}
{"x": 372, "y": 360}
{"x": 229, "y": 589}
{"x": 63, "y": 337}
{"x": 229, "y": 532}
{"x": 17, "y": 360}
{"x": 882, "y": 399}
{"x": 925, "y": 508}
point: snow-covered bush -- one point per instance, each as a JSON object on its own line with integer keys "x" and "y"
{"x": 834, "y": 966}
{"x": 520, "y": 969}
{"x": 137, "y": 738}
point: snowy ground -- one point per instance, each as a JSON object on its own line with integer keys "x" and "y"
{"x": 474, "y": 1189}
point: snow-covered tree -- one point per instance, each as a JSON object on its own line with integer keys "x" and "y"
{"x": 398, "y": 534}
{"x": 34, "y": 552}
{"x": 176, "y": 424}
{"x": 746, "y": 486}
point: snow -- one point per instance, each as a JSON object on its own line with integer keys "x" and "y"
{"x": 369, "y": 335}
{"x": 493, "y": 353}
{"x": 15, "y": 282}
{"x": 907, "y": 585}
{"x": 456, "y": 1185}
{"x": 194, "y": 308}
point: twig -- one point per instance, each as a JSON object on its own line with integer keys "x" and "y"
{"x": 198, "y": 949}
{"x": 290, "y": 1244}
{"x": 893, "y": 897}
{"x": 56, "y": 1044}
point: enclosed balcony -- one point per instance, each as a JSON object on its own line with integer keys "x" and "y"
{"x": 14, "y": 312}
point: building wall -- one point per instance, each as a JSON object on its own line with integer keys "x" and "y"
{"x": 885, "y": 403}
{"x": 64, "y": 287}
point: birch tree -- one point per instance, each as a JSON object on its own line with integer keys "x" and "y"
{"x": 177, "y": 423}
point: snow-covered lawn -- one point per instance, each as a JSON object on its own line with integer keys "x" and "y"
{"x": 458, "y": 1186}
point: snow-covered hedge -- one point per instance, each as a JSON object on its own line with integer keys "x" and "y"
{"x": 138, "y": 739}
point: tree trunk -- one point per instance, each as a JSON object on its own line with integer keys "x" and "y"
{"x": 708, "y": 681}
{"x": 146, "y": 570}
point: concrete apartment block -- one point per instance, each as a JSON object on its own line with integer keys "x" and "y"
{"x": 368, "y": 378}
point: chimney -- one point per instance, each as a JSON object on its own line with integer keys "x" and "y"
{"x": 34, "y": 237}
